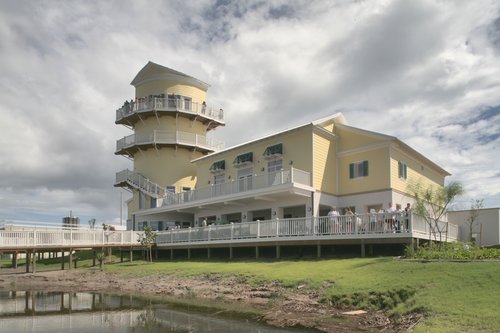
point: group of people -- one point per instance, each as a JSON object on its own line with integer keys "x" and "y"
{"x": 391, "y": 219}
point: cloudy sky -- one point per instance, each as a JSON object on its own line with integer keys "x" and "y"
{"x": 427, "y": 72}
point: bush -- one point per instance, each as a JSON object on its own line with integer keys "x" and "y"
{"x": 452, "y": 251}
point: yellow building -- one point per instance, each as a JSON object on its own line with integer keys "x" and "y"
{"x": 182, "y": 178}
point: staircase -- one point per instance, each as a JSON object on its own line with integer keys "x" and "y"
{"x": 139, "y": 182}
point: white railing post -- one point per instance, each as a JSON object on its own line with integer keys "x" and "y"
{"x": 189, "y": 235}
{"x": 291, "y": 174}
{"x": 232, "y": 230}
{"x": 209, "y": 232}
{"x": 277, "y": 227}
{"x": 258, "y": 229}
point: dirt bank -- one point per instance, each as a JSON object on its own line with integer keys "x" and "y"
{"x": 278, "y": 305}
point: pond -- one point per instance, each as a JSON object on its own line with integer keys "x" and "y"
{"x": 38, "y": 311}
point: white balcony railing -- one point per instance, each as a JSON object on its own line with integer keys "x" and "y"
{"x": 169, "y": 137}
{"x": 140, "y": 182}
{"x": 387, "y": 225}
{"x": 169, "y": 104}
{"x": 259, "y": 182}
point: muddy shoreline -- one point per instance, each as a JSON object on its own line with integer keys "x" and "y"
{"x": 275, "y": 304}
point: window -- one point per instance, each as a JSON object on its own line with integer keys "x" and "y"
{"x": 219, "y": 178}
{"x": 274, "y": 150}
{"x": 274, "y": 165}
{"x": 170, "y": 189}
{"x": 245, "y": 177}
{"x": 142, "y": 200}
{"x": 243, "y": 158}
{"x": 153, "y": 202}
{"x": 402, "y": 170}
{"x": 358, "y": 169}
{"x": 187, "y": 103}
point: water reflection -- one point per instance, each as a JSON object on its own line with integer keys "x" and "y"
{"x": 55, "y": 312}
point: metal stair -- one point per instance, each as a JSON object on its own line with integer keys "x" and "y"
{"x": 139, "y": 182}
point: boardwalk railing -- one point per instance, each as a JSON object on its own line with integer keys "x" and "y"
{"x": 341, "y": 227}
{"x": 66, "y": 238}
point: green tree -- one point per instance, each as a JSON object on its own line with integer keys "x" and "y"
{"x": 147, "y": 239}
{"x": 431, "y": 203}
{"x": 475, "y": 207}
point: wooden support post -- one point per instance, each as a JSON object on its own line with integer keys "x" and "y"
{"x": 14, "y": 260}
{"x": 362, "y": 249}
{"x": 277, "y": 251}
{"x": 70, "y": 259}
{"x": 171, "y": 254}
{"x": 62, "y": 260}
{"x": 189, "y": 253}
{"x": 35, "y": 255}
{"x": 94, "y": 256}
{"x": 256, "y": 252}
{"x": 208, "y": 253}
{"x": 230, "y": 252}
{"x": 318, "y": 250}
{"x": 28, "y": 259}
{"x": 121, "y": 255}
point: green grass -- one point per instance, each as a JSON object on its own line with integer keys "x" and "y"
{"x": 455, "y": 296}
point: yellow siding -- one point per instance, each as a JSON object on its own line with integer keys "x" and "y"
{"x": 348, "y": 140}
{"x": 296, "y": 153}
{"x": 168, "y": 167}
{"x": 417, "y": 172}
{"x": 170, "y": 87}
{"x": 378, "y": 172}
{"x": 170, "y": 123}
{"x": 324, "y": 164}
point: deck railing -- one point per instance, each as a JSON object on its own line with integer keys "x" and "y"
{"x": 239, "y": 186}
{"x": 169, "y": 137}
{"x": 385, "y": 225}
{"x": 169, "y": 104}
{"x": 66, "y": 238}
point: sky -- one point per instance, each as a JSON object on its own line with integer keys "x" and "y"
{"x": 426, "y": 72}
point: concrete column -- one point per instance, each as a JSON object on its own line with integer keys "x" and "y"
{"x": 208, "y": 253}
{"x": 318, "y": 250}
{"x": 277, "y": 251}
{"x": 171, "y": 254}
{"x": 121, "y": 255}
{"x": 94, "y": 255}
{"x": 230, "y": 252}
{"x": 362, "y": 249}
{"x": 256, "y": 252}
{"x": 131, "y": 253}
{"x": 189, "y": 253}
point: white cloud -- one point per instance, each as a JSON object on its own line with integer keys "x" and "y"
{"x": 422, "y": 71}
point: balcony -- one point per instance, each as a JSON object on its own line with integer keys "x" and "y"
{"x": 271, "y": 185}
{"x": 130, "y": 112}
{"x": 130, "y": 144}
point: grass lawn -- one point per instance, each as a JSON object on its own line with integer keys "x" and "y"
{"x": 456, "y": 297}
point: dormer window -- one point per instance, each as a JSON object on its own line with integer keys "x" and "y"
{"x": 243, "y": 159}
{"x": 218, "y": 166}
{"x": 274, "y": 150}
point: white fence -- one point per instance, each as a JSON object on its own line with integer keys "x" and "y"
{"x": 387, "y": 225}
{"x": 66, "y": 238}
